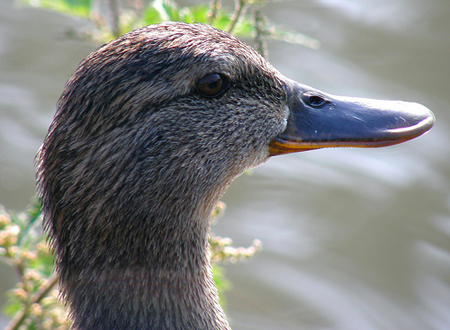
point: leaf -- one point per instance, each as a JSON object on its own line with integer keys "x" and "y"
{"x": 73, "y": 7}
{"x": 151, "y": 16}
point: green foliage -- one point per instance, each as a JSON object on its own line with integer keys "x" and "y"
{"x": 119, "y": 19}
{"x": 73, "y": 7}
{"x": 34, "y": 302}
{"x": 115, "y": 17}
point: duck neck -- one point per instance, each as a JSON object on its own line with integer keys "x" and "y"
{"x": 161, "y": 280}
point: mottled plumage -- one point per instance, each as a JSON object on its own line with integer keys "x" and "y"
{"x": 138, "y": 155}
{"x": 134, "y": 163}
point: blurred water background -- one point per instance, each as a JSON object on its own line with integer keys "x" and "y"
{"x": 353, "y": 238}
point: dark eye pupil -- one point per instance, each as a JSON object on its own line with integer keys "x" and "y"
{"x": 212, "y": 84}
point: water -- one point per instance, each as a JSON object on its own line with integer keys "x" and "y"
{"x": 353, "y": 238}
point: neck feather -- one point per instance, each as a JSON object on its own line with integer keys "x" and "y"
{"x": 176, "y": 294}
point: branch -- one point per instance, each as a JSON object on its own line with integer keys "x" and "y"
{"x": 238, "y": 11}
{"x": 36, "y": 298}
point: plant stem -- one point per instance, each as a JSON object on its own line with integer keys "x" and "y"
{"x": 212, "y": 15}
{"x": 45, "y": 289}
{"x": 260, "y": 31}
{"x": 113, "y": 6}
{"x": 238, "y": 11}
{"x": 36, "y": 298}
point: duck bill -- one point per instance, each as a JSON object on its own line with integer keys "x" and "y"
{"x": 319, "y": 120}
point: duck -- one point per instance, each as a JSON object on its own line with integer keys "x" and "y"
{"x": 148, "y": 134}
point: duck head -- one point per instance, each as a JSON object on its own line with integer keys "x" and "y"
{"x": 148, "y": 134}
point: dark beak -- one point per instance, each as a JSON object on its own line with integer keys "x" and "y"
{"x": 318, "y": 120}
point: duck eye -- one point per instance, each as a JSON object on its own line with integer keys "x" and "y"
{"x": 314, "y": 100}
{"x": 213, "y": 84}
